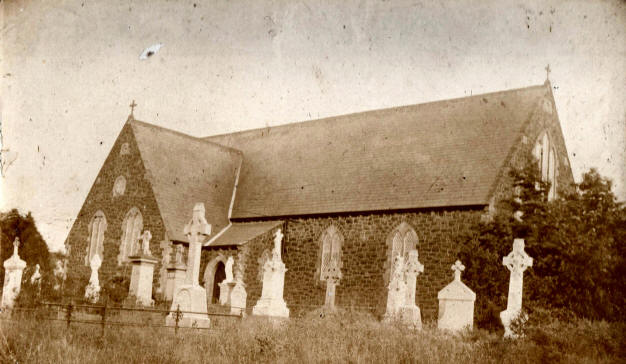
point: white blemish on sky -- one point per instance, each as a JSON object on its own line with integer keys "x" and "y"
{"x": 69, "y": 69}
{"x": 150, "y": 51}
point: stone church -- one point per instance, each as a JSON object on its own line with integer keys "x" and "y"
{"x": 349, "y": 192}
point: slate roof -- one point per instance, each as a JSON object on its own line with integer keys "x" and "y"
{"x": 184, "y": 170}
{"x": 445, "y": 153}
{"x": 241, "y": 233}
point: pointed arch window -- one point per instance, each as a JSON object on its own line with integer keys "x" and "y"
{"x": 331, "y": 244}
{"x": 131, "y": 231}
{"x": 546, "y": 156}
{"x": 400, "y": 241}
{"x": 97, "y": 227}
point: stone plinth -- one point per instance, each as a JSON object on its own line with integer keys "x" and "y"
{"x": 191, "y": 300}
{"x": 456, "y": 303}
{"x": 13, "y": 269}
{"x": 238, "y": 298}
{"x": 271, "y": 302}
{"x": 175, "y": 278}
{"x": 141, "y": 278}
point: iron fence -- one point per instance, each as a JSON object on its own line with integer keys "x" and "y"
{"x": 104, "y": 315}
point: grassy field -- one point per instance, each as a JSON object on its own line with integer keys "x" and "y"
{"x": 345, "y": 338}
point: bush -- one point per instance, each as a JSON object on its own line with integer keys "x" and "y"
{"x": 116, "y": 289}
{"x": 576, "y": 242}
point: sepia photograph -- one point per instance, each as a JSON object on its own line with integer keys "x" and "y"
{"x": 297, "y": 181}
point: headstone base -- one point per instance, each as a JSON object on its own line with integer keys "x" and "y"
{"x": 270, "y": 307}
{"x": 409, "y": 316}
{"x": 238, "y": 298}
{"x": 92, "y": 293}
{"x": 507, "y": 317}
{"x": 189, "y": 298}
{"x": 455, "y": 315}
{"x": 141, "y": 279}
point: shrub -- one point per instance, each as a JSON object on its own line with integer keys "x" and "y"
{"x": 116, "y": 289}
{"x": 576, "y": 242}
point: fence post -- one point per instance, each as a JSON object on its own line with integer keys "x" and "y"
{"x": 104, "y": 313}
{"x": 177, "y": 318}
{"x": 68, "y": 314}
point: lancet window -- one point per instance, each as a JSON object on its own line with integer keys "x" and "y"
{"x": 131, "y": 232}
{"x": 97, "y": 227}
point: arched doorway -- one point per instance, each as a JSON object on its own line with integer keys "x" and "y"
{"x": 220, "y": 275}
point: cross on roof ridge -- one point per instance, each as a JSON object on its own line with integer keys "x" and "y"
{"x": 132, "y": 107}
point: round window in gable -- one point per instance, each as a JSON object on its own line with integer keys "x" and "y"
{"x": 547, "y": 106}
{"x": 119, "y": 186}
{"x": 125, "y": 149}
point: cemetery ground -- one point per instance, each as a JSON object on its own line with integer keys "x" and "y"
{"x": 346, "y": 337}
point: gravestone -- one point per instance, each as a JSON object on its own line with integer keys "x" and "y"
{"x": 271, "y": 302}
{"x": 332, "y": 275}
{"x": 456, "y": 303}
{"x": 517, "y": 261}
{"x": 409, "y": 312}
{"x": 227, "y": 285}
{"x": 143, "y": 271}
{"x": 396, "y": 290}
{"x": 238, "y": 297}
{"x": 13, "y": 269}
{"x": 92, "y": 291}
{"x": 176, "y": 273}
{"x": 191, "y": 296}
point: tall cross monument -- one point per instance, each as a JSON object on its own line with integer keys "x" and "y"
{"x": 191, "y": 297}
{"x": 517, "y": 261}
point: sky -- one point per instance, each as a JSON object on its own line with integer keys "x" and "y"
{"x": 69, "y": 70}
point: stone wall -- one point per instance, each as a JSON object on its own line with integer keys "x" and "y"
{"x": 364, "y": 258}
{"x": 247, "y": 258}
{"x": 138, "y": 193}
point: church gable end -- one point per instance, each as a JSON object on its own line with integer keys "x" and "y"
{"x": 542, "y": 138}
{"x": 106, "y": 208}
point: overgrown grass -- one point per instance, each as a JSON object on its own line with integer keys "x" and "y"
{"x": 348, "y": 337}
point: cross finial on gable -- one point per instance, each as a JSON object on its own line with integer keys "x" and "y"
{"x": 132, "y": 108}
{"x": 458, "y": 267}
{"x": 548, "y": 70}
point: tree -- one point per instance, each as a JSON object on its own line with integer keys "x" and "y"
{"x": 576, "y": 241}
{"x": 33, "y": 249}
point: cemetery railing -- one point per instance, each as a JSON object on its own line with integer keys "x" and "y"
{"x": 103, "y": 315}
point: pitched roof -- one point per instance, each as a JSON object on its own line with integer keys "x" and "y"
{"x": 445, "y": 153}
{"x": 184, "y": 170}
{"x": 240, "y": 233}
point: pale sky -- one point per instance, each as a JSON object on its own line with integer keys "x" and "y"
{"x": 69, "y": 69}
